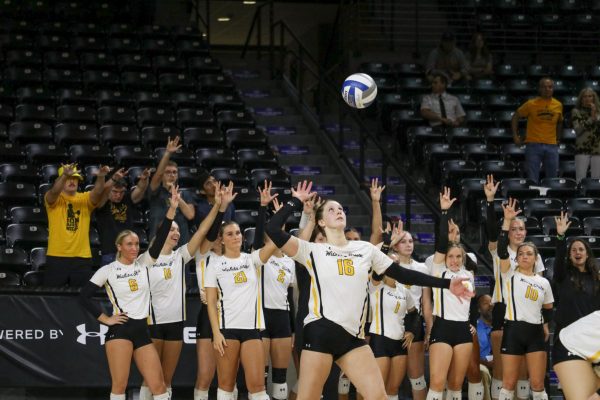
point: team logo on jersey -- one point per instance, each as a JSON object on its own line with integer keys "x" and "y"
{"x": 84, "y": 334}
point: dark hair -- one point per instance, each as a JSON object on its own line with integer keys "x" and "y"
{"x": 439, "y": 74}
{"x": 313, "y": 236}
{"x": 591, "y": 267}
{"x": 485, "y": 52}
{"x": 319, "y": 216}
{"x": 351, "y": 229}
{"x": 120, "y": 183}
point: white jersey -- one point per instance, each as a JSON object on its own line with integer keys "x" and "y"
{"x": 167, "y": 287}
{"x": 278, "y": 275}
{"x": 389, "y": 307}
{"x": 497, "y": 296}
{"x": 525, "y": 296}
{"x": 416, "y": 291}
{"x": 126, "y": 286}
{"x": 238, "y": 284}
{"x": 202, "y": 261}
{"x": 445, "y": 304}
{"x": 582, "y": 337}
{"x": 338, "y": 281}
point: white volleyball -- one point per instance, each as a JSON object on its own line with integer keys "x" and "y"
{"x": 359, "y": 90}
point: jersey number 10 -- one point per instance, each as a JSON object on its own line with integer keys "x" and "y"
{"x": 531, "y": 293}
{"x": 345, "y": 266}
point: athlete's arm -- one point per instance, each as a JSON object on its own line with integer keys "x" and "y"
{"x": 227, "y": 196}
{"x": 219, "y": 342}
{"x": 203, "y": 228}
{"x": 510, "y": 213}
{"x": 491, "y": 224}
{"x": 441, "y": 239}
{"x": 165, "y": 226}
{"x": 137, "y": 194}
{"x": 377, "y": 220}
{"x": 85, "y": 299}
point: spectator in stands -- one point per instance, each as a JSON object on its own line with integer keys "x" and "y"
{"x": 448, "y": 59}
{"x": 440, "y": 108}
{"x": 159, "y": 195}
{"x": 480, "y": 58}
{"x": 544, "y": 123}
{"x": 484, "y": 329}
{"x": 586, "y": 122}
{"x": 69, "y": 256}
{"x": 205, "y": 199}
{"x": 115, "y": 210}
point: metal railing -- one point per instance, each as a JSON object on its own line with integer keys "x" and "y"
{"x": 202, "y": 22}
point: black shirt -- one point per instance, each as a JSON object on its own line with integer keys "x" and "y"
{"x": 113, "y": 218}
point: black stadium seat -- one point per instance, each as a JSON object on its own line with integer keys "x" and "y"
{"x": 549, "y": 226}
{"x": 26, "y": 235}
{"x": 28, "y": 215}
{"x": 13, "y": 259}
{"x": 11, "y": 172}
{"x": 562, "y": 188}
{"x": 541, "y": 207}
{"x": 583, "y": 207}
{"x": 12, "y": 193}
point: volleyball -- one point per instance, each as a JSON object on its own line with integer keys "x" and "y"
{"x": 359, "y": 90}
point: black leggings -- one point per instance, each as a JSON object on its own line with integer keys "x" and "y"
{"x": 72, "y": 271}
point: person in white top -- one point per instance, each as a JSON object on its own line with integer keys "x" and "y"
{"x": 579, "y": 374}
{"x": 233, "y": 280}
{"x": 339, "y": 270}
{"x": 167, "y": 290}
{"x": 450, "y": 337}
{"x": 529, "y": 303}
{"x": 127, "y": 287}
{"x": 516, "y": 236}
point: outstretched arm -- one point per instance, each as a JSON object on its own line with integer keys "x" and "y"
{"x": 510, "y": 213}
{"x": 490, "y": 189}
{"x": 377, "y": 220}
{"x": 441, "y": 240}
{"x": 172, "y": 147}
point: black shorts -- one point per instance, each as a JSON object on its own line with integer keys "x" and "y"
{"x": 299, "y": 335}
{"x": 385, "y": 347}
{"x": 170, "y": 331}
{"x": 367, "y": 329}
{"x": 277, "y": 324}
{"x": 450, "y": 332}
{"x": 203, "y": 329}
{"x": 498, "y": 313}
{"x": 241, "y": 335}
{"x": 134, "y": 330}
{"x": 520, "y": 338}
{"x": 325, "y": 336}
{"x": 420, "y": 334}
{"x": 560, "y": 353}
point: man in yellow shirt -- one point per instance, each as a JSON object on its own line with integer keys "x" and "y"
{"x": 544, "y": 125}
{"x": 69, "y": 256}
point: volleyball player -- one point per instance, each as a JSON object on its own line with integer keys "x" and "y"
{"x": 167, "y": 289}
{"x": 516, "y": 236}
{"x": 578, "y": 366}
{"x": 127, "y": 287}
{"x": 339, "y": 270}
{"x": 528, "y": 306}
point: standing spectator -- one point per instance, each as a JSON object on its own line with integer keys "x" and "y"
{"x": 205, "y": 199}
{"x": 448, "y": 59}
{"x": 69, "y": 256}
{"x": 586, "y": 122}
{"x": 484, "y": 329}
{"x": 115, "y": 210}
{"x": 440, "y": 108}
{"x": 480, "y": 58}
{"x": 544, "y": 123}
{"x": 159, "y": 195}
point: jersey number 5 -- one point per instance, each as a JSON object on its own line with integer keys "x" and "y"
{"x": 345, "y": 266}
{"x": 240, "y": 277}
{"x": 531, "y": 293}
{"x": 133, "y": 286}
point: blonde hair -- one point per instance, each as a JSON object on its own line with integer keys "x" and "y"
{"x": 120, "y": 237}
{"x": 535, "y": 251}
{"x": 584, "y": 91}
{"x": 222, "y": 230}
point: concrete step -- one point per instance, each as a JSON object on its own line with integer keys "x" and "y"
{"x": 314, "y": 149}
{"x": 260, "y": 83}
{"x": 319, "y": 179}
{"x": 271, "y": 101}
{"x": 399, "y": 208}
{"x": 283, "y": 120}
{"x": 323, "y": 161}
{"x": 298, "y": 139}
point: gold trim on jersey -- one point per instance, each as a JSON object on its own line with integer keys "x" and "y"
{"x": 498, "y": 284}
{"x": 377, "y": 308}
{"x": 594, "y": 358}
{"x": 202, "y": 267}
{"x": 111, "y": 297}
{"x": 313, "y": 290}
{"x": 258, "y": 299}
{"x": 509, "y": 301}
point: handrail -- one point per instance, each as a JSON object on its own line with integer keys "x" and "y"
{"x": 257, "y": 22}
{"x": 199, "y": 19}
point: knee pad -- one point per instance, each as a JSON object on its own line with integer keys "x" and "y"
{"x": 432, "y": 395}
{"x": 170, "y": 391}
{"x": 117, "y": 396}
{"x": 393, "y": 397}
{"x": 279, "y": 375}
{"x": 279, "y": 391}
{"x": 523, "y": 389}
{"x": 164, "y": 396}
{"x": 506, "y": 394}
{"x": 418, "y": 383}
{"x": 343, "y": 385}
{"x": 258, "y": 396}
{"x": 145, "y": 393}
{"x": 453, "y": 395}
{"x": 476, "y": 391}
{"x": 540, "y": 395}
{"x": 200, "y": 394}
{"x": 224, "y": 395}
{"x": 495, "y": 388}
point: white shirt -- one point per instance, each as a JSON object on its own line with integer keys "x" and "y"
{"x": 497, "y": 296}
{"x": 126, "y": 286}
{"x": 582, "y": 337}
{"x": 238, "y": 284}
{"x": 389, "y": 307}
{"x": 202, "y": 261}
{"x": 339, "y": 278}
{"x": 445, "y": 304}
{"x": 416, "y": 291}
{"x": 167, "y": 287}
{"x": 452, "y": 106}
{"x": 525, "y": 295}
{"x": 278, "y": 275}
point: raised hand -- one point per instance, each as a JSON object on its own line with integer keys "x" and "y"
{"x": 453, "y": 231}
{"x": 277, "y": 205}
{"x": 173, "y": 145}
{"x": 227, "y": 194}
{"x": 69, "y": 169}
{"x": 376, "y": 190}
{"x": 119, "y": 174}
{"x": 446, "y": 200}
{"x": 460, "y": 290}
{"x": 265, "y": 194}
{"x": 302, "y": 191}
{"x": 103, "y": 170}
{"x": 490, "y": 188}
{"x": 510, "y": 209}
{"x": 397, "y": 233}
{"x": 218, "y": 193}
{"x": 562, "y": 223}
{"x": 175, "y": 196}
{"x": 145, "y": 174}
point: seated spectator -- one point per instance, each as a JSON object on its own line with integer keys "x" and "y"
{"x": 69, "y": 256}
{"x": 484, "y": 329}
{"x": 205, "y": 199}
{"x": 447, "y": 58}
{"x": 440, "y": 108}
{"x": 586, "y": 122}
{"x": 115, "y": 210}
{"x": 159, "y": 195}
{"x": 479, "y": 58}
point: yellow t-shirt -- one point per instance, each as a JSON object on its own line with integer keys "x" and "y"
{"x": 69, "y": 225}
{"x": 542, "y": 116}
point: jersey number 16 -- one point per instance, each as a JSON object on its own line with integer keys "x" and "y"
{"x": 531, "y": 293}
{"x": 345, "y": 266}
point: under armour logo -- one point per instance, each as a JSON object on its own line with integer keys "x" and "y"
{"x": 85, "y": 334}
{"x": 504, "y": 349}
{"x": 307, "y": 345}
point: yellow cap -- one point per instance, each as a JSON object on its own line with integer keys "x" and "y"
{"x": 76, "y": 174}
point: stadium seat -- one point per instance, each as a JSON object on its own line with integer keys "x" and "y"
{"x": 116, "y": 115}
{"x": 513, "y": 152}
{"x": 500, "y": 169}
{"x": 234, "y": 119}
{"x": 66, "y": 134}
{"x": 186, "y": 176}
{"x": 10, "y": 152}
{"x": 182, "y": 156}
{"x": 507, "y": 71}
{"x": 479, "y": 118}
{"x": 203, "y": 137}
{"x": 156, "y": 46}
{"x": 37, "y": 256}
{"x": 138, "y": 80}
{"x": 22, "y": 76}
{"x": 463, "y": 135}
{"x": 168, "y": 63}
{"x": 61, "y": 59}
{"x": 132, "y": 155}
{"x": 239, "y": 177}
{"x": 541, "y": 207}
{"x": 549, "y": 226}
{"x": 38, "y": 95}
{"x": 119, "y": 134}
{"x": 215, "y": 84}
{"x": 412, "y": 84}
{"x": 225, "y": 102}
{"x": 13, "y": 193}
{"x": 148, "y": 116}
{"x": 518, "y": 188}
{"x": 479, "y": 152}
{"x": 566, "y": 168}
{"x": 13, "y": 259}
{"x": 183, "y": 100}
{"x": 562, "y": 188}
{"x": 248, "y": 236}
{"x": 486, "y": 87}
{"x": 246, "y": 138}
{"x": 28, "y": 215}
{"x": 81, "y": 114}
{"x": 156, "y": 136}
{"x": 537, "y": 71}
{"x": 569, "y": 72}
{"x": 471, "y": 190}
{"x": 75, "y": 97}
{"x": 583, "y": 207}
{"x": 98, "y": 80}
{"x": 195, "y": 117}
{"x": 247, "y": 198}
{"x": 42, "y": 153}
{"x": 591, "y": 226}
{"x": 501, "y": 102}
{"x": 11, "y": 172}
{"x": 63, "y": 78}
{"x": 546, "y": 245}
{"x": 133, "y": 61}
{"x": 9, "y": 278}
{"x": 49, "y": 173}
{"x": 33, "y": 278}
{"x": 406, "y": 70}
{"x": 173, "y": 82}
{"x": 455, "y": 170}
{"x": 277, "y": 177}
{"x": 90, "y": 154}
{"x": 154, "y": 99}
{"x": 114, "y": 98}
{"x": 26, "y": 235}
{"x": 215, "y": 157}
{"x": 246, "y": 218}
{"x": 589, "y": 187}
{"x": 203, "y": 65}
{"x": 256, "y": 158}
{"x": 30, "y": 132}
{"x": 97, "y": 61}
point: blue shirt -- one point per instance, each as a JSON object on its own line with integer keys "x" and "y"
{"x": 485, "y": 344}
{"x": 203, "y": 208}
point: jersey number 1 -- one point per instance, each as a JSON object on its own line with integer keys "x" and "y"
{"x": 531, "y": 293}
{"x": 345, "y": 266}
